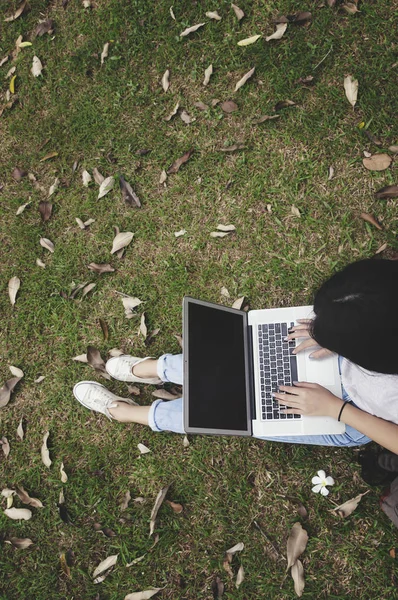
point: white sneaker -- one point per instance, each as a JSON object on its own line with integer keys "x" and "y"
{"x": 96, "y": 397}
{"x": 120, "y": 368}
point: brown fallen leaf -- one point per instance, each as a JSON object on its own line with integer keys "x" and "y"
{"x": 300, "y": 18}
{"x": 173, "y": 113}
{"x": 238, "y": 12}
{"x": 105, "y": 330}
{"x": 134, "y": 390}
{"x": 393, "y": 149}
{"x": 296, "y": 544}
{"x": 20, "y": 543}
{"x": 101, "y": 268}
{"x": 186, "y": 117}
{"x": 389, "y": 191}
{"x": 47, "y": 244}
{"x": 245, "y": 78}
{"x": 201, "y": 105}
{"x": 382, "y": 248}
{"x": 43, "y": 27}
{"x": 308, "y": 80}
{"x": 125, "y": 502}
{"x": 6, "y": 390}
{"x": 177, "y": 508}
{"x": 297, "y": 574}
{"x": 129, "y": 195}
{"x": 150, "y": 337}
{"x": 26, "y": 499}
{"x": 45, "y": 455}
{"x": 64, "y": 565}
{"x": 13, "y": 287}
{"x": 18, "y": 173}
{"x": 174, "y": 168}
{"x": 5, "y": 446}
{"x": 45, "y": 209}
{"x": 95, "y": 360}
{"x": 284, "y": 104}
{"x": 350, "y": 7}
{"x": 158, "y": 502}
{"x": 87, "y": 289}
{"x": 372, "y": 138}
{"x": 229, "y": 106}
{"x": 345, "y": 509}
{"x": 98, "y": 178}
{"x": 121, "y": 240}
{"x": 18, "y": 12}
{"x": 189, "y": 30}
{"x": 371, "y": 219}
{"x": 265, "y": 118}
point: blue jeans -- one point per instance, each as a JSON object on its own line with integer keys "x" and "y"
{"x": 167, "y": 416}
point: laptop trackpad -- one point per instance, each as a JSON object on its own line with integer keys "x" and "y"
{"x": 320, "y": 370}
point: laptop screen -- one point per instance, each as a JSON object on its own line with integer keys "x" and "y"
{"x": 217, "y": 394}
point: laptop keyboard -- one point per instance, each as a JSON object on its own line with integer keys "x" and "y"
{"x": 278, "y": 366}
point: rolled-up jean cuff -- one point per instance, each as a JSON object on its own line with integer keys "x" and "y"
{"x": 151, "y": 416}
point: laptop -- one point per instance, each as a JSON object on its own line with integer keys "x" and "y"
{"x": 233, "y": 362}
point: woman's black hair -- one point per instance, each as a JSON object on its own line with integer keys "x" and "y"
{"x": 356, "y": 314}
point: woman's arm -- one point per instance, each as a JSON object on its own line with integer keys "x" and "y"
{"x": 314, "y": 400}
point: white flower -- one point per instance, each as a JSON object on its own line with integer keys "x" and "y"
{"x": 321, "y": 481}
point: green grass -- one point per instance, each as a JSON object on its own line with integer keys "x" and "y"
{"x": 90, "y": 114}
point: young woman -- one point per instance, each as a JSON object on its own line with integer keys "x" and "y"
{"x": 356, "y": 314}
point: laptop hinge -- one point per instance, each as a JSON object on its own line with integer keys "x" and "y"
{"x": 251, "y": 372}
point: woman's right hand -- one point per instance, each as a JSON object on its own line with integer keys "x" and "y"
{"x": 302, "y": 331}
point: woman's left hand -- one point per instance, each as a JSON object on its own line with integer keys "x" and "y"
{"x": 309, "y": 399}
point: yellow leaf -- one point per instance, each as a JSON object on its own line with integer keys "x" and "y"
{"x": 24, "y": 44}
{"x": 249, "y": 40}
{"x": 361, "y": 125}
{"x": 12, "y": 85}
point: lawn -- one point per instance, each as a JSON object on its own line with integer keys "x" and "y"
{"x": 91, "y": 115}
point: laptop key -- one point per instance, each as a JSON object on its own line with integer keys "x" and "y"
{"x": 293, "y": 368}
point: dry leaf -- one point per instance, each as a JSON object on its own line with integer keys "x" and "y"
{"x": 296, "y": 544}
{"x": 101, "y": 268}
{"x": 20, "y": 543}
{"x": 6, "y": 390}
{"x": 54, "y": 187}
{"x": 22, "y": 207}
{"x": 104, "y": 53}
{"x": 9, "y": 73}
{"x": 238, "y": 303}
{"x": 201, "y": 105}
{"x": 16, "y": 371}
{"x": 144, "y": 595}
{"x": 389, "y": 191}
{"x": 180, "y": 233}
{"x": 49, "y": 155}
{"x": 177, "y": 508}
{"x": 344, "y": 510}
{"x": 64, "y": 477}
{"x": 373, "y": 138}
{"x": 295, "y": 211}
{"x": 229, "y": 106}
{"x": 393, "y": 149}
{"x": 45, "y": 210}
{"x": 143, "y": 449}
{"x": 179, "y": 162}
{"x": 37, "y": 67}
{"x": 244, "y": 79}
{"x": 121, "y": 240}
{"x": 132, "y": 389}
{"x": 185, "y": 442}
{"x": 40, "y": 263}
{"x": 136, "y": 560}
{"x": 96, "y": 361}
{"x": 350, "y": 7}
{"x": 213, "y": 15}
{"x": 129, "y": 304}
{"x": 106, "y": 186}
{"x": 5, "y": 446}
{"x": 169, "y": 117}
{"x": 104, "y": 328}
{"x": 300, "y": 18}
{"x": 331, "y": 173}
{"x": 20, "y": 431}
{"x": 47, "y": 244}
{"x": 45, "y": 455}
{"x": 219, "y": 234}
{"x": 18, "y": 514}
{"x": 186, "y": 117}
{"x": 284, "y": 104}
{"x": 265, "y": 118}
{"x": 81, "y": 358}
{"x": 250, "y": 40}
{"x": 351, "y": 89}
{"x": 163, "y": 177}
{"x": 18, "y": 173}
{"x": 143, "y": 330}
{"x": 172, "y": 13}
{"x": 26, "y": 499}
{"x": 280, "y": 30}
{"x": 237, "y": 548}
{"x": 98, "y": 178}
{"x": 371, "y": 219}
{"x": 13, "y": 287}
{"x": 64, "y": 565}
{"x": 43, "y": 27}
{"x": 89, "y": 222}
{"x": 226, "y": 227}
{"x": 297, "y": 574}
{"x": 377, "y": 162}
{"x": 80, "y": 223}
{"x": 3, "y": 60}
{"x": 165, "y": 80}
{"x": 86, "y": 177}
{"x": 129, "y": 196}
{"x": 18, "y": 13}
{"x": 208, "y": 74}
{"x": 7, "y": 493}
{"x": 224, "y": 292}
{"x": 240, "y": 577}
{"x": 125, "y": 502}
{"x": 40, "y": 379}
{"x": 87, "y": 289}
{"x": 158, "y": 502}
{"x": 105, "y": 565}
{"x": 238, "y": 12}
{"x": 178, "y": 338}
{"x": 382, "y": 248}
{"x": 191, "y": 29}
{"x": 233, "y": 148}
{"x": 165, "y": 395}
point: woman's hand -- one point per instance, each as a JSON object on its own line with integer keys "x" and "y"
{"x": 309, "y": 399}
{"x": 302, "y": 331}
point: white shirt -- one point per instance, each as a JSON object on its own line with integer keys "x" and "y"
{"x": 376, "y": 393}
